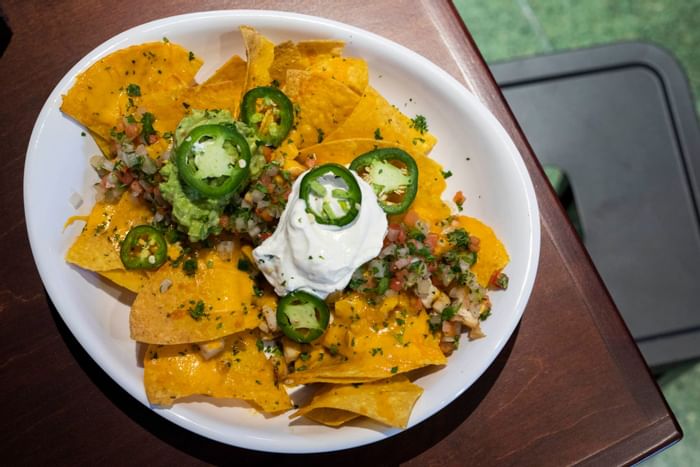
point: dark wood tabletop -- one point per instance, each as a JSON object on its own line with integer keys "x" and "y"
{"x": 569, "y": 387}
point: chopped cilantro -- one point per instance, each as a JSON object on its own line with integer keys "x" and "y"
{"x": 446, "y": 174}
{"x": 459, "y": 238}
{"x": 147, "y": 126}
{"x": 378, "y": 134}
{"x": 197, "y": 311}
{"x": 190, "y": 266}
{"x": 448, "y": 313}
{"x": 419, "y": 123}
{"x": 133, "y": 90}
{"x": 191, "y": 56}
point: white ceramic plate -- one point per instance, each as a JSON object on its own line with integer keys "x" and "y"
{"x": 486, "y": 166}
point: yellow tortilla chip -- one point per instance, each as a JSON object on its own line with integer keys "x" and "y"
{"x": 323, "y": 103}
{"x": 239, "y": 371}
{"x": 327, "y": 416}
{"x": 97, "y": 247}
{"x": 101, "y": 93}
{"x": 260, "y": 52}
{"x": 492, "y": 255}
{"x": 388, "y": 401}
{"x": 318, "y": 49}
{"x": 217, "y": 300}
{"x": 369, "y": 342}
{"x": 375, "y": 117}
{"x": 233, "y": 70}
{"x": 352, "y": 72}
{"x": 130, "y": 280}
{"x": 103, "y": 144}
{"x": 291, "y": 56}
{"x": 169, "y": 108}
{"x": 286, "y": 57}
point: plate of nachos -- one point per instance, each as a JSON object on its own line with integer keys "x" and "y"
{"x": 278, "y": 231}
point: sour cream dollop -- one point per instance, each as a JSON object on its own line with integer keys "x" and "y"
{"x": 317, "y": 258}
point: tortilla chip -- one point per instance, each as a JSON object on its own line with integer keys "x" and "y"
{"x": 169, "y": 108}
{"x": 492, "y": 255}
{"x": 323, "y": 103}
{"x": 240, "y": 371}
{"x": 99, "y": 96}
{"x": 260, "y": 52}
{"x": 233, "y": 70}
{"x": 352, "y": 72}
{"x": 175, "y": 315}
{"x": 369, "y": 342}
{"x": 431, "y": 183}
{"x": 375, "y": 117}
{"x": 97, "y": 247}
{"x": 388, "y": 401}
{"x": 130, "y": 280}
{"x": 327, "y": 416}
{"x": 286, "y": 57}
{"x": 320, "y": 49}
{"x": 103, "y": 144}
{"x": 291, "y": 56}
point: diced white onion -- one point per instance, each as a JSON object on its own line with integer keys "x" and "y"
{"x": 212, "y": 348}
{"x": 225, "y": 250}
{"x": 75, "y": 200}
{"x": 165, "y": 285}
{"x": 270, "y": 317}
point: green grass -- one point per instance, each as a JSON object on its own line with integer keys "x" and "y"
{"x": 506, "y": 29}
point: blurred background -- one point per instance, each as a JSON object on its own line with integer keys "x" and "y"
{"x": 510, "y": 30}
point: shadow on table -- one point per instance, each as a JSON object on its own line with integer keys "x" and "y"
{"x": 400, "y": 448}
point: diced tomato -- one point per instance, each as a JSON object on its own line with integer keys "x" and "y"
{"x": 267, "y": 152}
{"x": 393, "y": 232}
{"x": 132, "y": 130}
{"x": 136, "y": 187}
{"x": 264, "y": 214}
{"x": 396, "y": 284}
{"x": 431, "y": 241}
{"x": 494, "y": 278}
{"x": 264, "y": 236}
{"x": 459, "y": 198}
{"x": 411, "y": 218}
{"x": 125, "y": 177}
{"x": 402, "y": 236}
{"x": 309, "y": 161}
{"x": 152, "y": 139}
{"x": 224, "y": 220}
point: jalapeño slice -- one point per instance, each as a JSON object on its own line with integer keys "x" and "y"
{"x": 143, "y": 247}
{"x": 302, "y": 316}
{"x": 393, "y": 175}
{"x": 332, "y": 194}
{"x": 213, "y": 160}
{"x": 270, "y": 112}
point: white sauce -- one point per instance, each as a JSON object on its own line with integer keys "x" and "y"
{"x": 318, "y": 258}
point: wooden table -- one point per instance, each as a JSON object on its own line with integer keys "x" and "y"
{"x": 569, "y": 387}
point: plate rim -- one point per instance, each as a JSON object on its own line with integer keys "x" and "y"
{"x": 99, "y": 354}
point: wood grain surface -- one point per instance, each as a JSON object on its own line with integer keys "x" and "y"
{"x": 570, "y": 386}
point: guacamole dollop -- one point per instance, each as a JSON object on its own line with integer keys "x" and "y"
{"x": 196, "y": 214}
